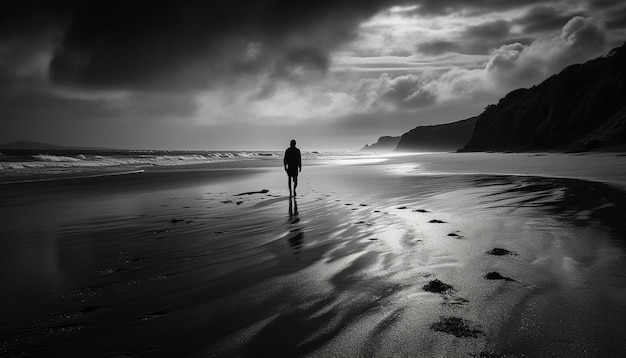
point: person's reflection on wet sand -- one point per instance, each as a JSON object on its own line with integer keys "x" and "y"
{"x": 297, "y": 240}
{"x": 293, "y": 210}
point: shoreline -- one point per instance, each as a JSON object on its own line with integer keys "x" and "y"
{"x": 72, "y": 178}
{"x": 180, "y": 262}
{"x": 140, "y": 180}
{"x": 433, "y": 164}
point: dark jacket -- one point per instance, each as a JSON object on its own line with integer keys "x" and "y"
{"x": 293, "y": 159}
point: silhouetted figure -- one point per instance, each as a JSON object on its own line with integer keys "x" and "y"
{"x": 293, "y": 165}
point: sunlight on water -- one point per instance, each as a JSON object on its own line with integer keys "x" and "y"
{"x": 353, "y": 161}
{"x": 404, "y": 169}
{"x": 359, "y": 159}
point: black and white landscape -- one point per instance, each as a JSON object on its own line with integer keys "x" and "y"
{"x": 143, "y": 205}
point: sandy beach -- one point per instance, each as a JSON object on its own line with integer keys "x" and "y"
{"x": 405, "y": 256}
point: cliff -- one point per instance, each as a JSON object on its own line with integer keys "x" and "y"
{"x": 581, "y": 108}
{"x": 384, "y": 144}
{"x": 438, "y": 138}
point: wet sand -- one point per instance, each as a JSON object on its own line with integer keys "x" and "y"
{"x": 365, "y": 261}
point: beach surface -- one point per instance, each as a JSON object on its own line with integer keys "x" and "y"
{"x": 415, "y": 255}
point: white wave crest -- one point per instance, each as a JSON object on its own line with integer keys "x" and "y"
{"x": 54, "y": 158}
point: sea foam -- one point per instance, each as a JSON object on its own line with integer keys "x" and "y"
{"x": 56, "y": 158}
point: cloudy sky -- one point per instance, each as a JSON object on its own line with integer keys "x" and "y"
{"x": 334, "y": 74}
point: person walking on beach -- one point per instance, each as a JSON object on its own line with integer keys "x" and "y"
{"x": 293, "y": 164}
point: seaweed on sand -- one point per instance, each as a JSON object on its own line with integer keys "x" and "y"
{"x": 458, "y": 327}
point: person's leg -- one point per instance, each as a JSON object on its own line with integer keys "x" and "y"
{"x": 295, "y": 184}
{"x": 289, "y": 184}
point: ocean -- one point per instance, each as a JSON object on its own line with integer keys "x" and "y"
{"x": 39, "y": 165}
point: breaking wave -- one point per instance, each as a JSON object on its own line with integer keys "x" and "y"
{"x": 56, "y": 158}
{"x": 27, "y": 164}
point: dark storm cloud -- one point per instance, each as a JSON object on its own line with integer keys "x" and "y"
{"x": 189, "y": 45}
{"x": 615, "y": 12}
{"x": 27, "y": 28}
{"x": 483, "y": 38}
{"x": 183, "y": 44}
{"x": 476, "y": 39}
{"x": 27, "y": 18}
{"x": 544, "y": 18}
{"x": 444, "y": 7}
{"x": 437, "y": 47}
{"x": 490, "y": 30}
{"x": 603, "y": 4}
{"x": 617, "y": 19}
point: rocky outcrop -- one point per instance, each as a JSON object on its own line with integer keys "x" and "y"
{"x": 384, "y": 144}
{"x": 437, "y": 138}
